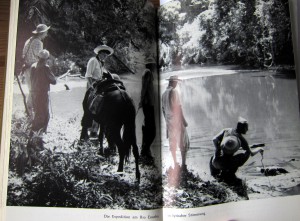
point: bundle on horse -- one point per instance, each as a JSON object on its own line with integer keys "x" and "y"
{"x": 112, "y": 108}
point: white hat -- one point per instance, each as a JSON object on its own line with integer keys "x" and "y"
{"x": 242, "y": 120}
{"x": 116, "y": 77}
{"x": 173, "y": 78}
{"x": 103, "y": 48}
{"x": 44, "y": 54}
{"x": 230, "y": 144}
{"x": 41, "y": 28}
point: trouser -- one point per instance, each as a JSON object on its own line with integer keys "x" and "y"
{"x": 230, "y": 164}
{"x": 41, "y": 111}
{"x": 87, "y": 119}
{"x": 178, "y": 137}
{"x": 148, "y": 129}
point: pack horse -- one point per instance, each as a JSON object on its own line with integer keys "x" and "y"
{"x": 113, "y": 109}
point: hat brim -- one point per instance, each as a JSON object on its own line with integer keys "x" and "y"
{"x": 170, "y": 79}
{"x": 36, "y": 32}
{"x": 104, "y": 48}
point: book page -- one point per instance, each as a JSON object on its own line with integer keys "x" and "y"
{"x": 230, "y": 132}
{"x": 81, "y": 112}
{"x": 295, "y": 10}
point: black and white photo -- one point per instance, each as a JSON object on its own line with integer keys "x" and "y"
{"x": 239, "y": 97}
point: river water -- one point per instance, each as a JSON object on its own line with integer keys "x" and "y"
{"x": 214, "y": 98}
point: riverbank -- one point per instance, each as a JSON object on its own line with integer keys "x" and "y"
{"x": 221, "y": 96}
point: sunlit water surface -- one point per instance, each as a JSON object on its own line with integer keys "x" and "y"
{"x": 214, "y": 98}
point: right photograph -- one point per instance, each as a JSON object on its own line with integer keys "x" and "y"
{"x": 229, "y": 102}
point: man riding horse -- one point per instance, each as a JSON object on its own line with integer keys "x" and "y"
{"x": 94, "y": 72}
{"x": 108, "y": 103}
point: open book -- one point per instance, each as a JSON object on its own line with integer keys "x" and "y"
{"x": 116, "y": 110}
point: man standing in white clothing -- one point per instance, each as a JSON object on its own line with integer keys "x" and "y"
{"x": 175, "y": 121}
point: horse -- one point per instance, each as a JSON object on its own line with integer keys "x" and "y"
{"x": 115, "y": 111}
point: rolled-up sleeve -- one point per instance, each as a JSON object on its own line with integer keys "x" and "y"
{"x": 90, "y": 68}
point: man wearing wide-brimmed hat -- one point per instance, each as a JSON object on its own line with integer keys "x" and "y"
{"x": 226, "y": 161}
{"x": 41, "y": 78}
{"x": 175, "y": 121}
{"x": 94, "y": 72}
{"x": 147, "y": 105}
{"x": 95, "y": 66}
{"x": 30, "y": 54}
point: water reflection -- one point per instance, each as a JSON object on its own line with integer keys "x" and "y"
{"x": 215, "y": 102}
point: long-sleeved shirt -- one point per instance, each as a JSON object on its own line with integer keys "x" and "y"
{"x": 31, "y": 50}
{"x": 41, "y": 77}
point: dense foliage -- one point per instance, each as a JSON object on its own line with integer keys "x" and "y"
{"x": 77, "y": 27}
{"x": 254, "y": 33}
{"x": 60, "y": 171}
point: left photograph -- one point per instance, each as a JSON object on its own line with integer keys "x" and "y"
{"x": 85, "y": 116}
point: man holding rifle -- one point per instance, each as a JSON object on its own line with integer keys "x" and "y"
{"x": 30, "y": 53}
{"x": 226, "y": 160}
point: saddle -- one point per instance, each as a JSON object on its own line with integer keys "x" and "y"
{"x": 99, "y": 91}
{"x": 108, "y": 85}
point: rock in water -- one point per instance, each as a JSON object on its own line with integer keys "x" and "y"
{"x": 273, "y": 171}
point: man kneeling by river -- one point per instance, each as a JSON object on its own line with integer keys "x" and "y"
{"x": 226, "y": 160}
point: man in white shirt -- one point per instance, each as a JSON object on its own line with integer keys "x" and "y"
{"x": 94, "y": 72}
{"x": 175, "y": 121}
{"x": 95, "y": 66}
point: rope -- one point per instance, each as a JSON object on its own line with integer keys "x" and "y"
{"x": 262, "y": 163}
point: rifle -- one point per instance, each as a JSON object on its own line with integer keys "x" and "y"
{"x": 22, "y": 92}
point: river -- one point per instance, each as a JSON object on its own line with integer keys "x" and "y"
{"x": 213, "y": 99}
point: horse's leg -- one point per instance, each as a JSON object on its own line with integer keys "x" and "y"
{"x": 86, "y": 120}
{"x": 84, "y": 134}
{"x": 113, "y": 136}
{"x": 101, "y": 136}
{"x": 129, "y": 138}
{"x": 135, "y": 151}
